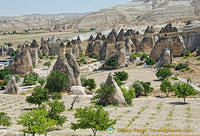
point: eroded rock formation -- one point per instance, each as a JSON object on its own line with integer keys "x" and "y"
{"x": 165, "y": 58}
{"x": 117, "y": 97}
{"x": 22, "y": 63}
{"x": 66, "y": 63}
{"x": 12, "y": 87}
{"x": 34, "y": 47}
{"x": 175, "y": 44}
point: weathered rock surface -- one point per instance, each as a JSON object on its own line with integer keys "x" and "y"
{"x": 22, "y": 63}
{"x": 148, "y": 30}
{"x": 198, "y": 51}
{"x": 53, "y": 45}
{"x": 165, "y": 58}
{"x": 168, "y": 29}
{"x": 34, "y": 47}
{"x": 146, "y": 45}
{"x": 117, "y": 97}
{"x": 12, "y": 87}
{"x": 191, "y": 40}
{"x": 66, "y": 63}
{"x": 175, "y": 44}
{"x": 78, "y": 90}
{"x": 6, "y": 50}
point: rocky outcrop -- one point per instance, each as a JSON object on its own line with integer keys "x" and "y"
{"x": 22, "y": 63}
{"x": 149, "y": 30}
{"x": 175, "y": 44}
{"x": 53, "y": 45}
{"x": 34, "y": 47}
{"x": 191, "y": 40}
{"x": 115, "y": 52}
{"x": 66, "y": 63}
{"x": 44, "y": 49}
{"x": 129, "y": 47}
{"x": 91, "y": 38}
{"x": 165, "y": 58}
{"x": 78, "y": 90}
{"x": 198, "y": 51}
{"x": 168, "y": 29}
{"x": 6, "y": 50}
{"x": 12, "y": 87}
{"x": 120, "y": 36}
{"x": 146, "y": 45}
{"x": 117, "y": 97}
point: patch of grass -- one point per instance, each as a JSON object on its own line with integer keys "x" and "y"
{"x": 147, "y": 124}
{"x": 159, "y": 107}
{"x": 174, "y": 78}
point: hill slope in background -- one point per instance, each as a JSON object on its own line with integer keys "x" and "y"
{"x": 142, "y": 11}
{"x": 36, "y": 21}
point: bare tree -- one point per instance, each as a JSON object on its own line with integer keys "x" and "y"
{"x": 76, "y": 99}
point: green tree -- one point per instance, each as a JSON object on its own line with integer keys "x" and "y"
{"x": 5, "y": 120}
{"x": 41, "y": 81}
{"x": 166, "y": 87}
{"x": 150, "y": 61}
{"x": 56, "y": 108}
{"x": 138, "y": 88}
{"x": 118, "y": 81}
{"x": 128, "y": 94}
{"x": 143, "y": 56}
{"x": 123, "y": 76}
{"x": 104, "y": 94}
{"x": 95, "y": 118}
{"x": 163, "y": 73}
{"x": 89, "y": 83}
{"x": 36, "y": 122}
{"x": 48, "y": 64}
{"x": 4, "y": 72}
{"x": 188, "y": 53}
{"x": 8, "y": 78}
{"x": 183, "y": 90}
{"x": 57, "y": 81}
{"x": 56, "y": 96}
{"x": 147, "y": 87}
{"x": 38, "y": 96}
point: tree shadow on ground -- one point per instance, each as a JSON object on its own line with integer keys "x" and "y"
{"x": 157, "y": 80}
{"x": 160, "y": 96}
{"x": 178, "y": 103}
{"x": 28, "y": 109}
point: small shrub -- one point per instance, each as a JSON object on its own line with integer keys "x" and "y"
{"x": 41, "y": 81}
{"x": 133, "y": 56}
{"x": 5, "y": 120}
{"x": 56, "y": 96}
{"x": 198, "y": 58}
{"x": 89, "y": 83}
{"x": 169, "y": 65}
{"x": 123, "y": 76}
{"x": 150, "y": 61}
{"x": 95, "y": 56}
{"x": 113, "y": 61}
{"x": 30, "y": 79}
{"x": 128, "y": 94}
{"x": 147, "y": 87}
{"x": 81, "y": 55}
{"x": 48, "y": 64}
{"x": 118, "y": 81}
{"x": 166, "y": 87}
{"x": 181, "y": 66}
{"x": 188, "y": 53}
{"x": 174, "y": 78}
{"x": 51, "y": 57}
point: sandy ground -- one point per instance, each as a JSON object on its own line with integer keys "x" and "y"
{"x": 165, "y": 113}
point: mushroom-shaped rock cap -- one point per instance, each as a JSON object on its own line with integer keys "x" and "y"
{"x": 149, "y": 30}
{"x": 99, "y": 36}
{"x": 91, "y": 38}
{"x": 189, "y": 22}
{"x": 120, "y": 36}
{"x": 34, "y": 44}
{"x": 62, "y": 45}
{"x": 79, "y": 39}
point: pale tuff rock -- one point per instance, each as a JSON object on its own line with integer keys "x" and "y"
{"x": 34, "y": 47}
{"x": 22, "y": 63}
{"x": 12, "y": 87}
{"x": 118, "y": 96}
{"x": 146, "y": 45}
{"x": 66, "y": 63}
{"x": 78, "y": 90}
{"x": 175, "y": 44}
{"x": 165, "y": 58}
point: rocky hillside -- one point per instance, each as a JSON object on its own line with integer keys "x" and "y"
{"x": 35, "y": 21}
{"x": 141, "y": 11}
